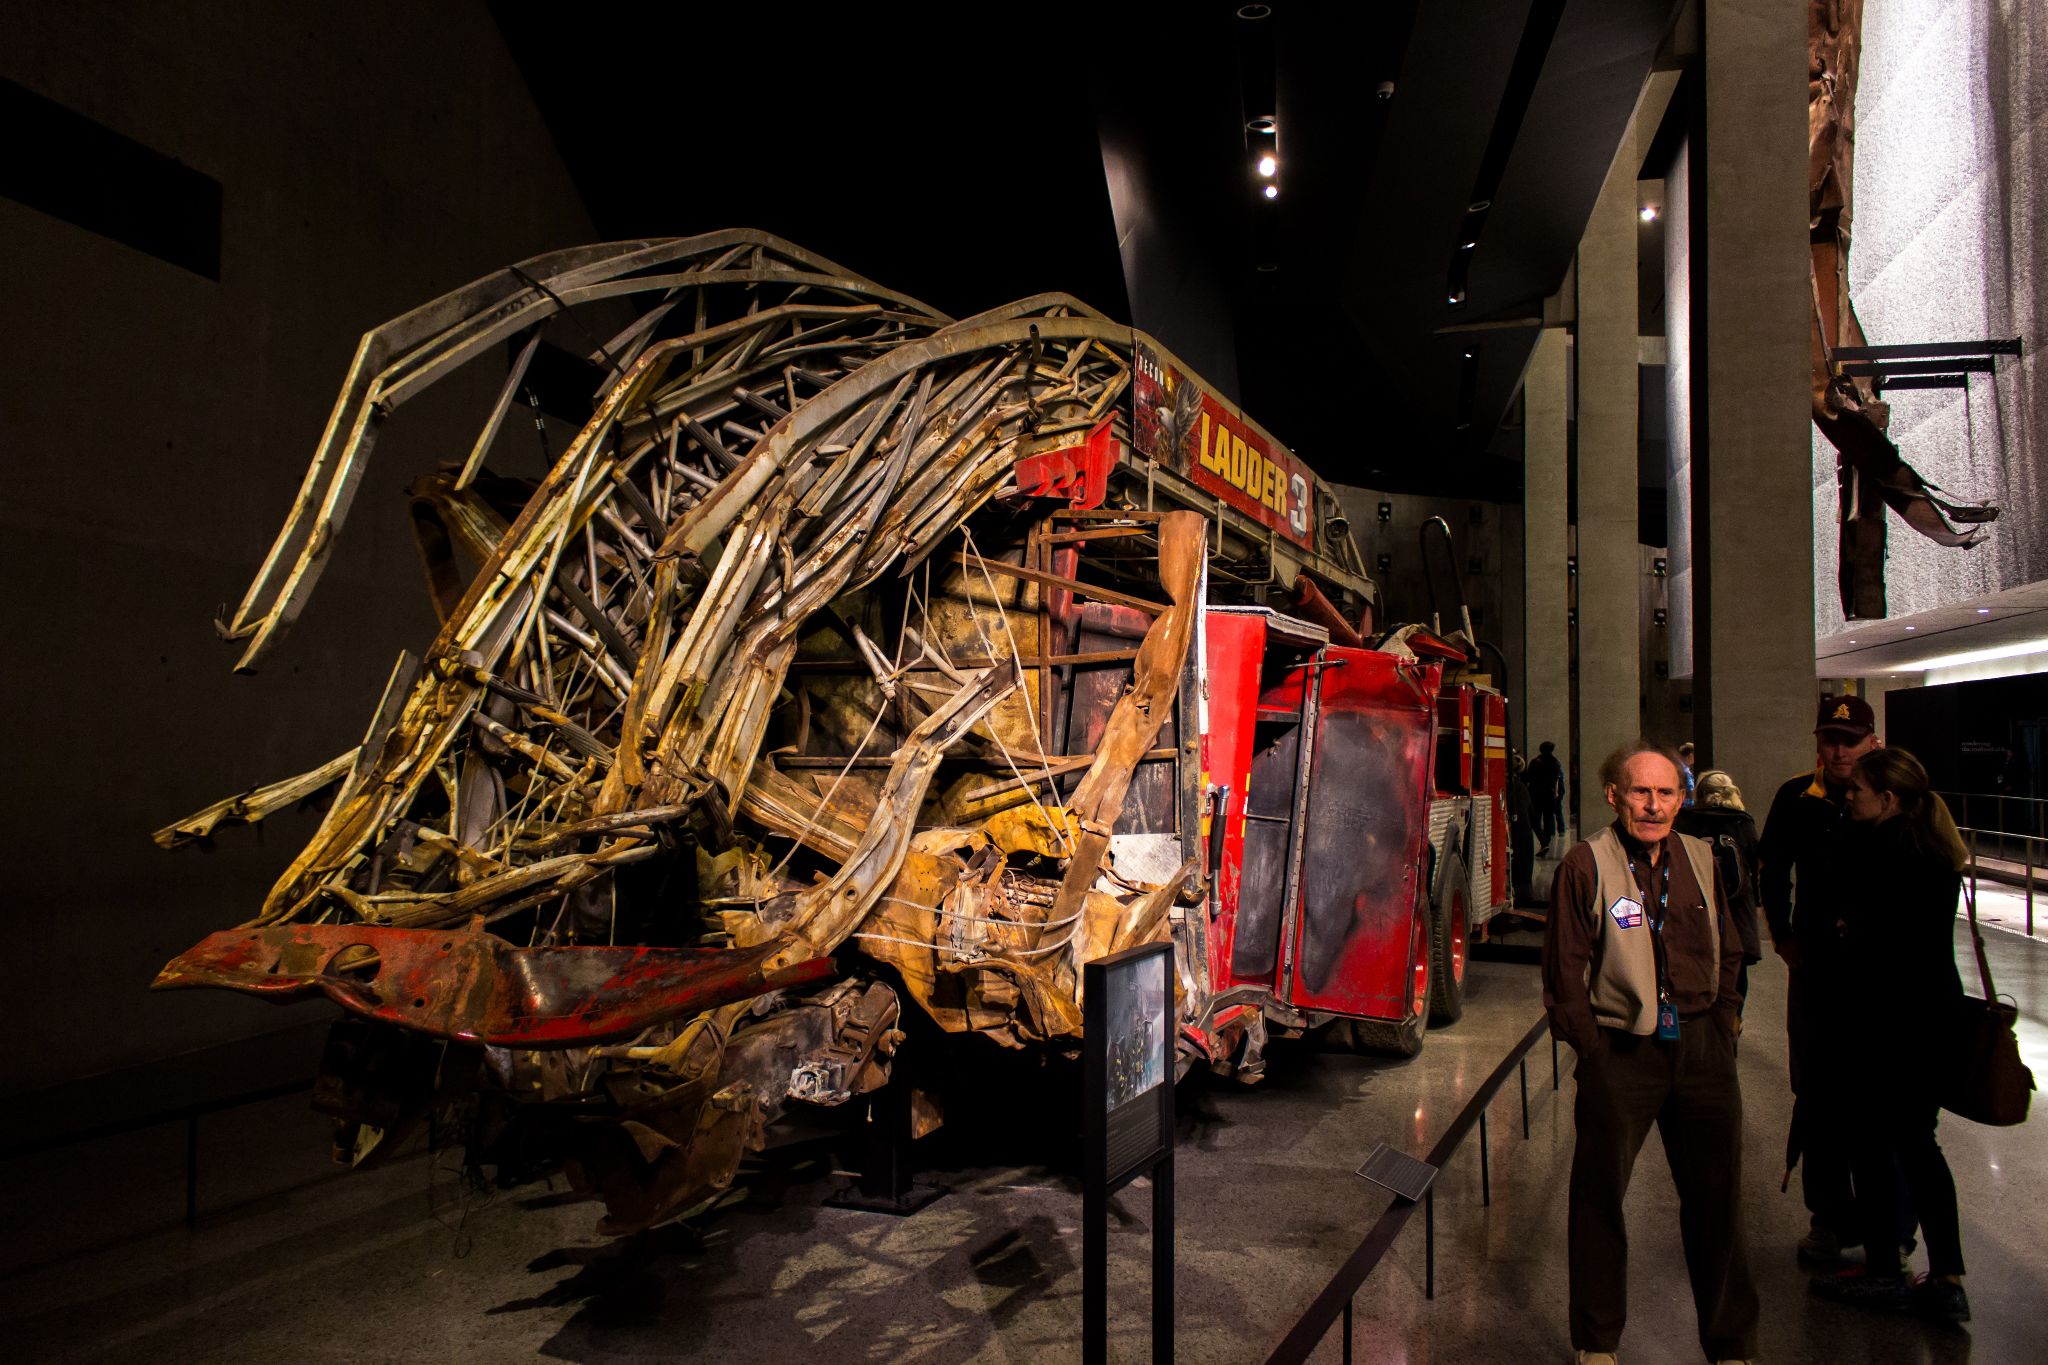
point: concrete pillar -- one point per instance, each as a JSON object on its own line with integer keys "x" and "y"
{"x": 1610, "y": 684}
{"x": 1547, "y": 685}
{"x": 1752, "y": 501}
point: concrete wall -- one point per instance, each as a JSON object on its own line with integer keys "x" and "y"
{"x": 1489, "y": 533}
{"x": 1678, "y": 381}
{"x": 156, "y": 424}
{"x": 1607, "y": 387}
{"x": 1547, "y": 546}
{"x": 1752, "y": 538}
{"x": 1951, "y": 244}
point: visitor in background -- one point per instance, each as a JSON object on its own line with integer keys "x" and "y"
{"x": 1895, "y": 930}
{"x": 1799, "y": 848}
{"x": 1685, "y": 756}
{"x": 1718, "y": 818}
{"x": 1521, "y": 833}
{"x": 1546, "y": 794}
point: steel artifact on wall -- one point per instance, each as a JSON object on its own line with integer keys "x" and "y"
{"x": 1848, "y": 408}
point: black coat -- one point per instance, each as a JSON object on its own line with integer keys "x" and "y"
{"x": 1798, "y": 846}
{"x": 1893, "y": 930}
{"x": 1732, "y": 835}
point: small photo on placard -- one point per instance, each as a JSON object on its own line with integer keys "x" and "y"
{"x": 1137, "y": 1013}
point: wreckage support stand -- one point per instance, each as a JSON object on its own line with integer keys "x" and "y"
{"x": 1095, "y": 1265}
{"x": 887, "y": 1181}
{"x": 1127, "y": 1135}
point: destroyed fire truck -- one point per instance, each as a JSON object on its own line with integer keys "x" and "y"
{"x": 854, "y": 672}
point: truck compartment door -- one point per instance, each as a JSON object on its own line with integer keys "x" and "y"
{"x": 1364, "y": 837}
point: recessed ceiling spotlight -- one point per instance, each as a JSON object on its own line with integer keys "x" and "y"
{"x": 1272, "y": 191}
{"x": 1468, "y": 246}
{"x": 1263, "y": 125}
{"x": 1852, "y": 642}
{"x": 1912, "y": 627}
{"x": 1479, "y": 206}
{"x": 1268, "y": 165}
{"x": 1648, "y": 213}
{"x": 1983, "y": 611}
{"x": 1267, "y": 267}
{"x": 1254, "y": 11}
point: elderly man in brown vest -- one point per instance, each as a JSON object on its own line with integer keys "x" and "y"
{"x": 1640, "y": 959}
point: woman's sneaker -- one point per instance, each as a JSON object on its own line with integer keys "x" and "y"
{"x": 1932, "y": 1298}
{"x": 1859, "y": 1288}
{"x": 1822, "y": 1246}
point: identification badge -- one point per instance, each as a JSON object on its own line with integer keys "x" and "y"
{"x": 1627, "y": 914}
{"x": 1667, "y": 1019}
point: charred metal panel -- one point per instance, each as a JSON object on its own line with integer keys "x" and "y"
{"x": 1367, "y": 823}
{"x": 1268, "y": 839}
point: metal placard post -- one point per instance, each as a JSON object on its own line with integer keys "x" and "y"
{"x": 1127, "y": 1074}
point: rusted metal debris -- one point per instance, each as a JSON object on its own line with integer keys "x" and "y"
{"x": 1847, "y": 409}
{"x": 800, "y": 662}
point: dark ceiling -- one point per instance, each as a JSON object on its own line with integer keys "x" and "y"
{"x": 971, "y": 155}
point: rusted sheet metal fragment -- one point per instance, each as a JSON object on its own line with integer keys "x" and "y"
{"x": 682, "y": 1144}
{"x": 475, "y": 987}
{"x": 395, "y": 361}
{"x": 1138, "y": 715}
{"x": 251, "y": 806}
{"x": 816, "y": 921}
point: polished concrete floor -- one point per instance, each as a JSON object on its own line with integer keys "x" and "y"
{"x": 291, "y": 1262}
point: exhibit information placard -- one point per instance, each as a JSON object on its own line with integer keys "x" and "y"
{"x": 1135, "y": 1005}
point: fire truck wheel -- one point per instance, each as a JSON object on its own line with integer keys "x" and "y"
{"x": 1450, "y": 926}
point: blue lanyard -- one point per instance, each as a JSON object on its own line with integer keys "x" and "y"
{"x": 1657, "y": 924}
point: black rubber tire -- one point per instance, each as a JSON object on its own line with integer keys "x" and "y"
{"x": 1446, "y": 974}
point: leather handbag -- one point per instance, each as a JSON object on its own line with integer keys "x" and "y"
{"x": 1986, "y": 1081}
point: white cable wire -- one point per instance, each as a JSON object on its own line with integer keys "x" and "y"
{"x": 1030, "y": 710}
{"x": 984, "y": 919}
{"x": 811, "y": 823}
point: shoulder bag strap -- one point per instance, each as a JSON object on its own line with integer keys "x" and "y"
{"x": 1976, "y": 936}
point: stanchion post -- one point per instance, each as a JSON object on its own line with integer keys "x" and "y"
{"x": 1485, "y": 1174}
{"x": 1523, "y": 1066}
{"x": 192, "y": 1168}
{"x": 1347, "y": 1327}
{"x": 1429, "y": 1243}
{"x": 1553, "y": 1061}
{"x": 2030, "y": 888}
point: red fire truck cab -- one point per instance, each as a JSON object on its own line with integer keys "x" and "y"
{"x": 1320, "y": 776}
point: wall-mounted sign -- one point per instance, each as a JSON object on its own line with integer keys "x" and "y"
{"x": 1180, "y": 423}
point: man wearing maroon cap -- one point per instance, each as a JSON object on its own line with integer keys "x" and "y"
{"x": 1800, "y": 837}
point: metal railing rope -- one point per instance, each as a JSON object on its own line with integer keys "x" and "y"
{"x": 1336, "y": 1299}
{"x": 2030, "y": 845}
